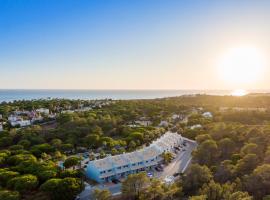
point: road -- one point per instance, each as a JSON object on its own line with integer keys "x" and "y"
{"x": 179, "y": 164}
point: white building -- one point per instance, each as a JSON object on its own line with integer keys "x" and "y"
{"x": 67, "y": 111}
{"x": 13, "y": 118}
{"x": 52, "y": 116}
{"x": 21, "y": 123}
{"x": 196, "y": 126}
{"x": 37, "y": 119}
{"x": 118, "y": 166}
{"x": 175, "y": 116}
{"x": 163, "y": 124}
{"x": 83, "y": 109}
{"x": 143, "y": 122}
{"x": 207, "y": 115}
{"x": 43, "y": 111}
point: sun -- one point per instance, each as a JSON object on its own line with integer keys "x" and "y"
{"x": 241, "y": 66}
{"x": 239, "y": 93}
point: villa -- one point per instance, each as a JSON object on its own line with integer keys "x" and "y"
{"x": 43, "y": 110}
{"x": 207, "y": 115}
{"x": 119, "y": 166}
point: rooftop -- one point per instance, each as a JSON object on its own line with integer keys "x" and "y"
{"x": 147, "y": 153}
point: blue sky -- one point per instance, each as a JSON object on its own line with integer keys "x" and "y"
{"x": 125, "y": 44}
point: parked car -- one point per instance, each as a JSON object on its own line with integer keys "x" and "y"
{"x": 149, "y": 174}
{"x": 158, "y": 169}
{"x": 115, "y": 181}
{"x": 169, "y": 179}
{"x": 176, "y": 174}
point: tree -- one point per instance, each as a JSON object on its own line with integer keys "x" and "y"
{"x": 203, "y": 137}
{"x": 132, "y": 145}
{"x": 17, "y": 159}
{"x": 71, "y": 161}
{"x": 92, "y": 140}
{"x": 267, "y": 156}
{"x": 62, "y": 189}
{"x": 9, "y": 195}
{"x": 64, "y": 118}
{"x": 102, "y": 194}
{"x": 25, "y": 143}
{"x": 167, "y": 157}
{"x": 258, "y": 183}
{"x": 200, "y": 197}
{"x": 56, "y": 143}
{"x": 195, "y": 177}
{"x": 6, "y": 175}
{"x": 172, "y": 192}
{"x": 247, "y": 164}
{"x": 133, "y": 186}
{"x": 23, "y": 183}
{"x": 226, "y": 147}
{"x": 239, "y": 195}
{"x": 66, "y": 147}
{"x": 51, "y": 186}
{"x": 207, "y": 153}
{"x": 225, "y": 171}
{"x": 249, "y": 148}
{"x": 212, "y": 190}
{"x": 154, "y": 191}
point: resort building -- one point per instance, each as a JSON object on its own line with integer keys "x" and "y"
{"x": 43, "y": 110}
{"x": 207, "y": 115}
{"x": 20, "y": 123}
{"x": 196, "y": 126}
{"x": 119, "y": 166}
{"x": 143, "y": 122}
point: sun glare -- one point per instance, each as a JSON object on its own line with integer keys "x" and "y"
{"x": 241, "y": 66}
{"x": 239, "y": 92}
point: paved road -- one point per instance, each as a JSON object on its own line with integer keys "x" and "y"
{"x": 179, "y": 164}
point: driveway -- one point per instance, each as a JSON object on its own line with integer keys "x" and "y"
{"x": 180, "y": 163}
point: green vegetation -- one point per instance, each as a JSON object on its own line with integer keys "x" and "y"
{"x": 139, "y": 186}
{"x": 232, "y": 160}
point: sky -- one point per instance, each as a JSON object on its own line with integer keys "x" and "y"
{"x": 128, "y": 44}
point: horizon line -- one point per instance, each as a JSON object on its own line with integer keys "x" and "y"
{"x": 132, "y": 89}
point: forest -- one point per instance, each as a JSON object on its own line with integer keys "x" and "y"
{"x": 231, "y": 162}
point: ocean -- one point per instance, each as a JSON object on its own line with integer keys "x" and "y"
{"x": 11, "y": 95}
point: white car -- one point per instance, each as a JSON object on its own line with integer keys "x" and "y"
{"x": 169, "y": 179}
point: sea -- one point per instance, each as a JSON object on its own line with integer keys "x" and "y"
{"x": 8, "y": 95}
